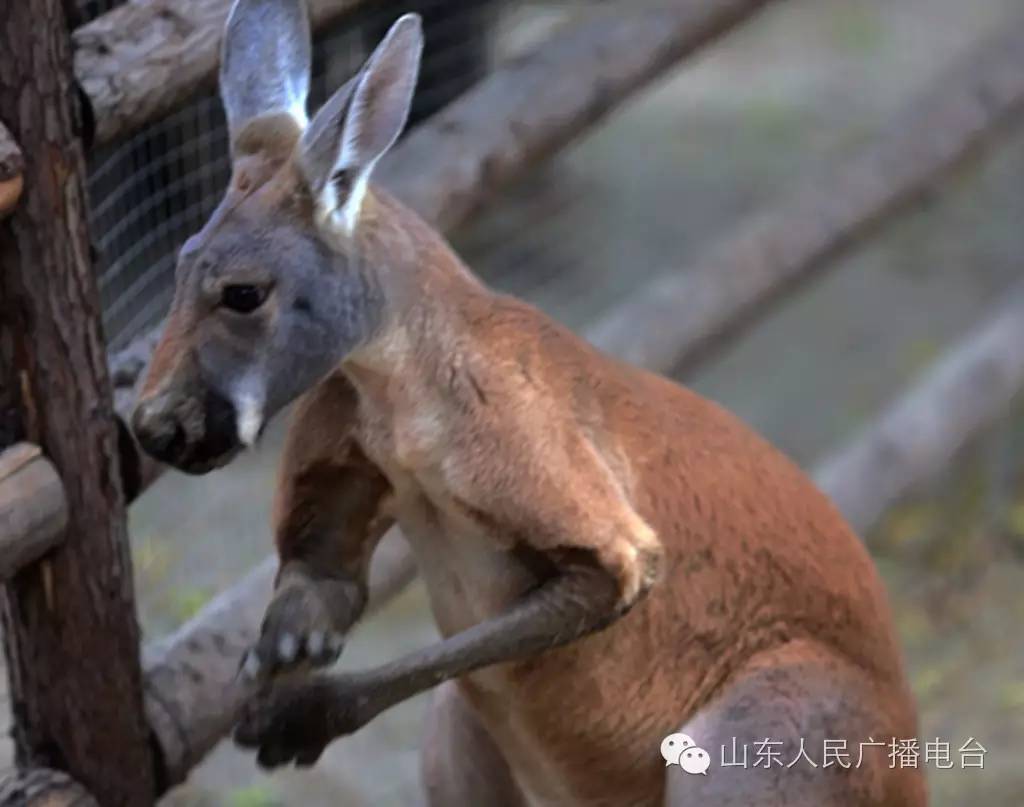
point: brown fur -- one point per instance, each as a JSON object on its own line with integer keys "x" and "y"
{"x": 493, "y": 424}
{"x": 510, "y": 451}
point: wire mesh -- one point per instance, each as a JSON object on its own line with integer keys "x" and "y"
{"x": 151, "y": 191}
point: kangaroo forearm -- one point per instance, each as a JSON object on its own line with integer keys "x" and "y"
{"x": 562, "y": 610}
{"x": 343, "y": 594}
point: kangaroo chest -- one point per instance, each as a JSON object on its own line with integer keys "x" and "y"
{"x": 470, "y": 574}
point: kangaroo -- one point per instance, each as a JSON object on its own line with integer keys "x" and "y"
{"x": 621, "y": 571}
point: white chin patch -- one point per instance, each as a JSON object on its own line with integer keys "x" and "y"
{"x": 298, "y": 111}
{"x": 249, "y": 413}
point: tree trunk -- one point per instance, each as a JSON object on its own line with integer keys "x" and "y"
{"x": 71, "y": 637}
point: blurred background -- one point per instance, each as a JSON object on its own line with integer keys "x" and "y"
{"x": 648, "y": 192}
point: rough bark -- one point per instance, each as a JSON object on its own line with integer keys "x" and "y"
{"x": 529, "y": 108}
{"x": 33, "y": 509}
{"x": 140, "y": 61}
{"x": 689, "y": 315}
{"x": 961, "y": 395}
{"x": 70, "y": 634}
{"x": 192, "y": 688}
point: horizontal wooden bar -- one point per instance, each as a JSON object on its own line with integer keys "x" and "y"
{"x": 142, "y": 60}
{"x": 692, "y": 313}
{"x": 33, "y": 509}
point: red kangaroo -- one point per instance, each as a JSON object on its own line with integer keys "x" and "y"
{"x": 610, "y": 558}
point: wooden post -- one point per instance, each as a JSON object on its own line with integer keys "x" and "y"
{"x": 70, "y": 632}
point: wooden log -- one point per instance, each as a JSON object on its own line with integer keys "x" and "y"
{"x": 70, "y": 634}
{"x": 43, "y": 787}
{"x": 961, "y": 395}
{"x": 192, "y": 689}
{"x": 689, "y": 315}
{"x": 12, "y": 162}
{"x": 142, "y": 60}
{"x": 530, "y": 108}
{"x": 33, "y": 509}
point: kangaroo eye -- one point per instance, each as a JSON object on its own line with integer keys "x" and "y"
{"x": 242, "y": 298}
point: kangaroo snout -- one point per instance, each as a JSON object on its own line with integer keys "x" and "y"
{"x": 194, "y": 434}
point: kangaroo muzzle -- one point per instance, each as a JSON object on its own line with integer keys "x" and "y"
{"x": 194, "y": 433}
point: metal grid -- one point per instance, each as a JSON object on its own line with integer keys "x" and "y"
{"x": 151, "y": 191}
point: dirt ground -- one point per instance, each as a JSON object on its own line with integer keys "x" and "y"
{"x": 642, "y": 195}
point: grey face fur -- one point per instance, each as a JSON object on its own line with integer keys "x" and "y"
{"x": 273, "y": 293}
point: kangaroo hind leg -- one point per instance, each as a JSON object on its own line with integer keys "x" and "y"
{"x": 795, "y": 697}
{"x": 462, "y": 765}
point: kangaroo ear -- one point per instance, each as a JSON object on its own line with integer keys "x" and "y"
{"x": 265, "y": 62}
{"x": 363, "y": 119}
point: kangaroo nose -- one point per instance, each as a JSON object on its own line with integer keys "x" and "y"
{"x": 159, "y": 432}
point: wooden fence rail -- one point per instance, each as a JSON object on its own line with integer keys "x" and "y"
{"x": 141, "y": 61}
{"x": 687, "y": 315}
{"x": 963, "y": 393}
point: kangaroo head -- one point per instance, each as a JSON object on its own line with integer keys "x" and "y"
{"x": 275, "y": 290}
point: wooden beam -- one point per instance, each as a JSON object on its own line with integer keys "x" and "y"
{"x": 966, "y": 391}
{"x": 12, "y": 162}
{"x": 142, "y": 60}
{"x": 70, "y": 633}
{"x": 192, "y": 687}
{"x": 689, "y": 315}
{"x": 33, "y": 509}
{"x": 530, "y": 108}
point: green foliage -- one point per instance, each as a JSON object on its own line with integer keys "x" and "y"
{"x": 253, "y": 796}
{"x": 185, "y": 601}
